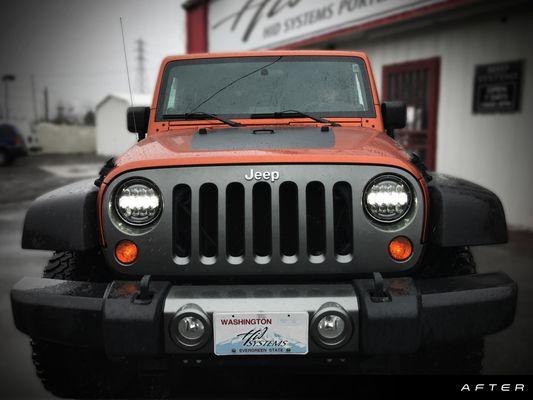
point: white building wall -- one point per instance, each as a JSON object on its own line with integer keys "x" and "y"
{"x": 112, "y": 135}
{"x": 65, "y": 139}
{"x": 492, "y": 150}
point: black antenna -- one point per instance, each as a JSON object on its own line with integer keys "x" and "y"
{"x": 127, "y": 71}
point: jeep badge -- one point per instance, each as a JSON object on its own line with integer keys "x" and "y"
{"x": 272, "y": 176}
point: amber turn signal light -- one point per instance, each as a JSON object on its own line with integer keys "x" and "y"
{"x": 400, "y": 248}
{"x": 126, "y": 252}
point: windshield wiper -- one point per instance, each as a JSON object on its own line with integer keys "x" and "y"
{"x": 201, "y": 115}
{"x": 288, "y": 113}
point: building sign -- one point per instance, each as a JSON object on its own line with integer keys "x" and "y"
{"x": 497, "y": 87}
{"x": 259, "y": 24}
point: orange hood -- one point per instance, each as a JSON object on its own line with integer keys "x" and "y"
{"x": 264, "y": 145}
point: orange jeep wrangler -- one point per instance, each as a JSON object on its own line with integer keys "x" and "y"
{"x": 266, "y": 216}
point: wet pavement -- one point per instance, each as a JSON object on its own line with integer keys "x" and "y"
{"x": 508, "y": 352}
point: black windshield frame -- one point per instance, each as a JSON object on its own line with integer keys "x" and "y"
{"x": 370, "y": 113}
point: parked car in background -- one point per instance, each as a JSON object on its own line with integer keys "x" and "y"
{"x": 12, "y": 144}
{"x": 31, "y": 140}
{"x": 27, "y": 131}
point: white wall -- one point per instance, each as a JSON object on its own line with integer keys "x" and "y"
{"x": 492, "y": 150}
{"x": 66, "y": 139}
{"x": 112, "y": 135}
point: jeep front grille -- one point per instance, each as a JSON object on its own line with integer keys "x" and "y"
{"x": 219, "y": 223}
{"x": 263, "y": 222}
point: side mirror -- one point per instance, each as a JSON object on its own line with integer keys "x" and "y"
{"x": 394, "y": 116}
{"x": 138, "y": 118}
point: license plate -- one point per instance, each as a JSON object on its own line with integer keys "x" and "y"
{"x": 249, "y": 333}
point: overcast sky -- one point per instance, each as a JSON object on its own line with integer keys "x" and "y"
{"x": 74, "y": 47}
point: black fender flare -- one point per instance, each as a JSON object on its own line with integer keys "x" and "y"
{"x": 63, "y": 219}
{"x": 464, "y": 214}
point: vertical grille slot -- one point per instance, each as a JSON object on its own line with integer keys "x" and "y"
{"x": 343, "y": 221}
{"x": 235, "y": 223}
{"x": 208, "y": 221}
{"x": 316, "y": 222}
{"x": 182, "y": 224}
{"x": 288, "y": 222}
{"x": 262, "y": 222}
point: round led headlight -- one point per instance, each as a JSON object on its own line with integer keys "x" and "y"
{"x": 387, "y": 198}
{"x": 138, "y": 202}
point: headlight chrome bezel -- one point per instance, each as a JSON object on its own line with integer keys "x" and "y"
{"x": 129, "y": 183}
{"x": 394, "y": 178}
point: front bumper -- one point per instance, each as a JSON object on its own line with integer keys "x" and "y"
{"x": 412, "y": 314}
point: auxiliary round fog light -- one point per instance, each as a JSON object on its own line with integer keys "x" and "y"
{"x": 331, "y": 326}
{"x": 190, "y": 327}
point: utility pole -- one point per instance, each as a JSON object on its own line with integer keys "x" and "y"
{"x": 60, "y": 116}
{"x": 7, "y": 79}
{"x": 34, "y": 99}
{"x": 45, "y": 94}
{"x": 140, "y": 64}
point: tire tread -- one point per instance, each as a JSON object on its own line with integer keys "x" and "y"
{"x": 70, "y": 371}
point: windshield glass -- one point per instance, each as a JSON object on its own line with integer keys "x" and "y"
{"x": 254, "y": 86}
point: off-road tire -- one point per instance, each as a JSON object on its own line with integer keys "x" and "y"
{"x": 79, "y": 373}
{"x": 76, "y": 372}
{"x": 442, "y": 262}
{"x": 453, "y": 358}
{"x": 462, "y": 358}
{"x": 77, "y": 266}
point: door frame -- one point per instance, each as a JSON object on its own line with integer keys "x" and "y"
{"x": 433, "y": 65}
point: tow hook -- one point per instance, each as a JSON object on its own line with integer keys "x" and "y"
{"x": 378, "y": 294}
{"x": 144, "y": 296}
